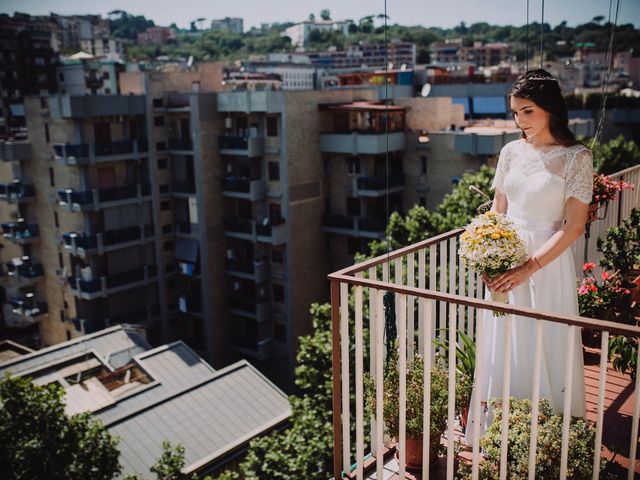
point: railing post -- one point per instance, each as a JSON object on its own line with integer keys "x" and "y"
{"x": 335, "y": 362}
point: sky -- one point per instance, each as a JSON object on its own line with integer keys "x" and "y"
{"x": 405, "y": 12}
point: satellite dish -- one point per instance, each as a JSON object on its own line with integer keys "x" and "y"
{"x": 426, "y": 90}
{"x": 190, "y": 61}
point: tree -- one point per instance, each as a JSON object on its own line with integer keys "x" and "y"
{"x": 616, "y": 155}
{"x": 39, "y": 441}
{"x": 325, "y": 14}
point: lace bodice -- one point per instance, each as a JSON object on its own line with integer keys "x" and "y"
{"x": 538, "y": 183}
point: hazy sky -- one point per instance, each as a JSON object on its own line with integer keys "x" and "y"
{"x": 405, "y": 12}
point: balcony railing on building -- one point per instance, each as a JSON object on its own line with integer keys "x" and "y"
{"x": 435, "y": 297}
{"x": 90, "y": 154}
{"x": 17, "y": 191}
{"x": 180, "y": 144}
{"x": 20, "y": 232}
{"x": 96, "y": 199}
{"x": 15, "y": 151}
{"x": 23, "y": 311}
{"x": 256, "y": 307}
{"x": 258, "y": 349}
{"x": 22, "y": 272}
{"x": 256, "y": 232}
{"x": 83, "y": 244}
{"x": 378, "y": 186}
{"x": 248, "y": 146}
{"x": 245, "y": 188}
{"x": 255, "y": 270}
{"x": 374, "y": 228}
{"x": 104, "y": 286}
{"x": 178, "y": 101}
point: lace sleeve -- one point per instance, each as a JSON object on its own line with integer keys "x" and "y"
{"x": 501, "y": 170}
{"x": 579, "y": 179}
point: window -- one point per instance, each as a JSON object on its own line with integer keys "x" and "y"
{"x": 60, "y": 260}
{"x": 168, "y": 228}
{"x": 353, "y": 206}
{"x": 61, "y": 76}
{"x": 353, "y": 165}
{"x": 272, "y": 126}
{"x": 158, "y": 102}
{"x": 277, "y": 255}
{"x": 327, "y": 165}
{"x": 353, "y": 245}
{"x": 52, "y": 180}
{"x": 56, "y": 221}
{"x": 277, "y": 291}
{"x": 62, "y": 316}
{"x": 164, "y": 188}
{"x": 46, "y": 133}
{"x": 161, "y": 146}
{"x": 170, "y": 268}
{"x": 423, "y": 164}
{"x": 162, "y": 163}
{"x": 280, "y": 333}
{"x": 166, "y": 205}
{"x": 158, "y": 121}
{"x": 171, "y": 285}
{"x": 423, "y": 202}
{"x": 274, "y": 171}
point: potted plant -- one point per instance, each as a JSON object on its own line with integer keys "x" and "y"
{"x": 604, "y": 190}
{"x": 414, "y": 416}
{"x": 581, "y": 447}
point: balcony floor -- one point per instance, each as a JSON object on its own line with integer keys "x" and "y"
{"x": 618, "y": 413}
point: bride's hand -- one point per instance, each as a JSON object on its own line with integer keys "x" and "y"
{"x": 510, "y": 279}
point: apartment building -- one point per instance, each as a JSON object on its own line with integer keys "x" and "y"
{"x": 210, "y": 216}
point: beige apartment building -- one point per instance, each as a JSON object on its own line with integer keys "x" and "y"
{"x": 210, "y": 216}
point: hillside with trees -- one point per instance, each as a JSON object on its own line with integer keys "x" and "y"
{"x": 559, "y": 41}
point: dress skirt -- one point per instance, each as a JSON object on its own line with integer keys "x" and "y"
{"x": 552, "y": 289}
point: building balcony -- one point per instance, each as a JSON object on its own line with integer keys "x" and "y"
{"x": 25, "y": 274}
{"x": 96, "y": 199}
{"x": 240, "y": 145}
{"x": 104, "y": 286}
{"x": 183, "y": 187}
{"x": 377, "y": 186}
{"x": 180, "y": 144}
{"x": 354, "y": 227}
{"x": 474, "y": 144}
{"x": 186, "y": 229}
{"x": 260, "y": 350}
{"x": 256, "y": 271}
{"x": 252, "y": 190}
{"x": 66, "y": 106}
{"x": 17, "y": 192}
{"x": 251, "y": 230}
{"x": 83, "y": 244}
{"x": 20, "y": 232}
{"x": 356, "y": 143}
{"x": 23, "y": 311}
{"x": 449, "y": 297}
{"x": 15, "y": 151}
{"x": 178, "y": 101}
{"x": 94, "y": 153}
{"x": 257, "y": 309}
{"x": 266, "y": 101}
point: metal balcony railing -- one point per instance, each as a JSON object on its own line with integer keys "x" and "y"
{"x": 19, "y": 231}
{"x": 16, "y": 191}
{"x": 435, "y": 297}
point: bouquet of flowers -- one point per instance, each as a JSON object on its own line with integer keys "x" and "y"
{"x": 491, "y": 245}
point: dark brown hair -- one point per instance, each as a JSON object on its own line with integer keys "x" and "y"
{"x": 542, "y": 88}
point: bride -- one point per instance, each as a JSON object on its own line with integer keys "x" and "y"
{"x": 543, "y": 183}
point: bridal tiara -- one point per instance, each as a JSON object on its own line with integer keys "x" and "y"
{"x": 542, "y": 78}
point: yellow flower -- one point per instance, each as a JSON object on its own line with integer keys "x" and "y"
{"x": 495, "y": 236}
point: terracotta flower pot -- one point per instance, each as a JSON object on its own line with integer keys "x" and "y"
{"x": 413, "y": 455}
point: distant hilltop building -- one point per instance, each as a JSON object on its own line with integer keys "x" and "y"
{"x": 234, "y": 25}
{"x": 299, "y": 33}
{"x": 156, "y": 35}
{"x": 478, "y": 54}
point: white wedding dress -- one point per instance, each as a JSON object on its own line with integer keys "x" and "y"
{"x": 537, "y": 184}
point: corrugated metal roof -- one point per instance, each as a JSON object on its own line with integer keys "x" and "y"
{"x": 208, "y": 419}
{"x": 104, "y": 342}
